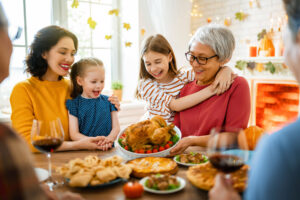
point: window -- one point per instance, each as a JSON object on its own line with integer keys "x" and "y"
{"x": 92, "y": 42}
{"x": 24, "y": 14}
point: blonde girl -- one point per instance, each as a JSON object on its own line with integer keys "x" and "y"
{"x": 160, "y": 81}
{"x": 90, "y": 112}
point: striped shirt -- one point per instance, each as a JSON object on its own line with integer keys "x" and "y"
{"x": 159, "y": 95}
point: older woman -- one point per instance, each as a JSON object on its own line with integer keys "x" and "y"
{"x": 209, "y": 49}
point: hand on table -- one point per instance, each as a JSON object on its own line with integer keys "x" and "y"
{"x": 223, "y": 189}
{"x": 106, "y": 143}
{"x": 182, "y": 145}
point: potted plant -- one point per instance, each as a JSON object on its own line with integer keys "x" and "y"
{"x": 117, "y": 87}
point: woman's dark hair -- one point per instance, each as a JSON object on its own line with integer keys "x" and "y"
{"x": 158, "y": 44}
{"x": 78, "y": 69}
{"x": 43, "y": 41}
{"x": 292, "y": 8}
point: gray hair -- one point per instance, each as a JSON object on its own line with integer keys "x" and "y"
{"x": 3, "y": 19}
{"x": 219, "y": 38}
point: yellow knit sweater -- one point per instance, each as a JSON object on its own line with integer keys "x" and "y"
{"x": 41, "y": 100}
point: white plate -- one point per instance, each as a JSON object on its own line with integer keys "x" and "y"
{"x": 188, "y": 164}
{"x": 180, "y": 180}
{"x": 42, "y": 174}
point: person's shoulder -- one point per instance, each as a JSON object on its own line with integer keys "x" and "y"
{"x": 103, "y": 97}
{"x": 240, "y": 80}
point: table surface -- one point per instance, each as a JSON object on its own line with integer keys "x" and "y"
{"x": 113, "y": 191}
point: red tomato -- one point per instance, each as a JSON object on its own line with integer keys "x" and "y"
{"x": 154, "y": 150}
{"x": 170, "y": 143}
{"x": 161, "y": 148}
{"x": 149, "y": 151}
{"x": 133, "y": 189}
{"x": 141, "y": 151}
{"x": 155, "y": 147}
{"x": 167, "y": 146}
{"x": 126, "y": 147}
{"x": 136, "y": 151}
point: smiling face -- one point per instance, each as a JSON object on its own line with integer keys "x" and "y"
{"x": 92, "y": 81}
{"x": 59, "y": 58}
{"x": 157, "y": 65}
{"x": 204, "y": 74}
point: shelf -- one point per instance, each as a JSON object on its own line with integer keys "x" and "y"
{"x": 263, "y": 59}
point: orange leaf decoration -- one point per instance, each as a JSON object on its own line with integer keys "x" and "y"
{"x": 108, "y": 37}
{"x": 114, "y": 12}
{"x": 128, "y": 44}
{"x": 143, "y": 32}
{"x": 92, "y": 23}
{"x": 126, "y": 26}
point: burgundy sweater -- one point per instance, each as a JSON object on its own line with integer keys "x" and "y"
{"x": 230, "y": 109}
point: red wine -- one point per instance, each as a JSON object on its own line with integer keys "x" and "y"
{"x": 47, "y": 144}
{"x": 226, "y": 163}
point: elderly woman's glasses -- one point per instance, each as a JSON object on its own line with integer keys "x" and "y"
{"x": 200, "y": 60}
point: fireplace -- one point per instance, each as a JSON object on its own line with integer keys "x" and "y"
{"x": 275, "y": 103}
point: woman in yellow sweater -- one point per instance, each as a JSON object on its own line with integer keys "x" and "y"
{"x": 43, "y": 96}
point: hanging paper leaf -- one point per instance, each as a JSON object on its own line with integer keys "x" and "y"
{"x": 126, "y": 26}
{"x": 240, "y": 16}
{"x": 114, "y": 12}
{"x": 143, "y": 31}
{"x": 92, "y": 23}
{"x": 75, "y": 4}
{"x": 128, "y": 44}
{"x": 208, "y": 20}
{"x": 108, "y": 37}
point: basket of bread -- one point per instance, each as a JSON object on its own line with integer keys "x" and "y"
{"x": 147, "y": 138}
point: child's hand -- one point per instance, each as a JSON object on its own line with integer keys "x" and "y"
{"x": 106, "y": 146}
{"x": 223, "y": 80}
{"x": 114, "y": 100}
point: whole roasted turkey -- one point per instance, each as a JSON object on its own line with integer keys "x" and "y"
{"x": 144, "y": 134}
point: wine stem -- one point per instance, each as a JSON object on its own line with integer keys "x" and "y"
{"x": 49, "y": 165}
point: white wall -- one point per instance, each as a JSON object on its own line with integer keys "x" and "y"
{"x": 258, "y": 19}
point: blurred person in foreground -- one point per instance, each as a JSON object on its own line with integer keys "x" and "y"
{"x": 17, "y": 176}
{"x": 275, "y": 168}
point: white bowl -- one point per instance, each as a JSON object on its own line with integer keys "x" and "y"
{"x": 131, "y": 155}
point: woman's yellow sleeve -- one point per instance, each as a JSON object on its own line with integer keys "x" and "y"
{"x": 22, "y": 112}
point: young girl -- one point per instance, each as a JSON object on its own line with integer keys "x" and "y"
{"x": 90, "y": 113}
{"x": 161, "y": 82}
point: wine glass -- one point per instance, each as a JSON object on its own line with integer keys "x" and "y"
{"x": 47, "y": 136}
{"x": 227, "y": 149}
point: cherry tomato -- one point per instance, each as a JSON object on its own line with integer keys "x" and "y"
{"x": 161, "y": 148}
{"x": 149, "y": 151}
{"x": 154, "y": 151}
{"x": 155, "y": 147}
{"x": 141, "y": 151}
{"x": 170, "y": 143}
{"x": 136, "y": 151}
{"x": 126, "y": 147}
{"x": 167, "y": 146}
{"x": 133, "y": 189}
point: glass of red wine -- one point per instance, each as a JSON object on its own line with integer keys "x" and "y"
{"x": 227, "y": 149}
{"x": 47, "y": 136}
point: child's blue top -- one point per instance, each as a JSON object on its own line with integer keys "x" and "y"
{"x": 94, "y": 115}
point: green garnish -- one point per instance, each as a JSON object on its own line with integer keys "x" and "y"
{"x": 175, "y": 139}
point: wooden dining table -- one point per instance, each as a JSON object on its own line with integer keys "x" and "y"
{"x": 114, "y": 191}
